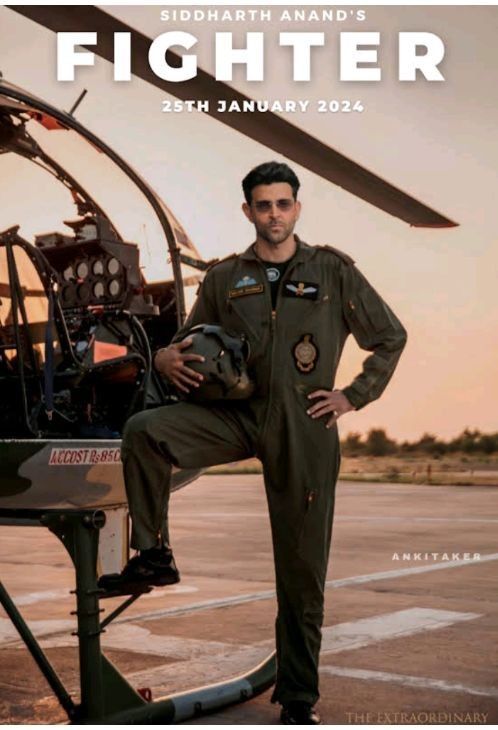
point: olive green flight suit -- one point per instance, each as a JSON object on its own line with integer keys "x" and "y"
{"x": 322, "y": 298}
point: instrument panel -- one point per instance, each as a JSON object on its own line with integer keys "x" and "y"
{"x": 92, "y": 281}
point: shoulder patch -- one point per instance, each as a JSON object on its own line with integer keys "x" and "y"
{"x": 344, "y": 256}
{"x": 215, "y": 262}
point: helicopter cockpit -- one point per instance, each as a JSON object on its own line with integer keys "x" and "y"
{"x": 88, "y": 290}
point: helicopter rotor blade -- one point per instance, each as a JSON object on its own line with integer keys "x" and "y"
{"x": 264, "y": 127}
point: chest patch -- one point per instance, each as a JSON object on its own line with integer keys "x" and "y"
{"x": 242, "y": 291}
{"x": 301, "y": 289}
{"x": 273, "y": 274}
{"x": 245, "y": 281}
{"x": 305, "y": 354}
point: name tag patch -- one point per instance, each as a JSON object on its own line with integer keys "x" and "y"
{"x": 301, "y": 289}
{"x": 242, "y": 291}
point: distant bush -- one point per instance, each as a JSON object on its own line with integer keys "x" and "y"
{"x": 488, "y": 443}
{"x": 430, "y": 445}
{"x": 353, "y": 445}
{"x": 378, "y": 443}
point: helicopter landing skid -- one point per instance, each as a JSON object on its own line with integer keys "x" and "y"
{"x": 106, "y": 696}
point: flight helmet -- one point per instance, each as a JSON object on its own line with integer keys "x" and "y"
{"x": 225, "y": 366}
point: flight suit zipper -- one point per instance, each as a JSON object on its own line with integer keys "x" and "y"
{"x": 273, "y": 329}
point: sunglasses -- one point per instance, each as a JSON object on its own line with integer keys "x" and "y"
{"x": 265, "y": 206}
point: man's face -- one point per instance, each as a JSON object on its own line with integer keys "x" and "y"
{"x": 273, "y": 211}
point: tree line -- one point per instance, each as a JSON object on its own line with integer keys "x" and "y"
{"x": 378, "y": 443}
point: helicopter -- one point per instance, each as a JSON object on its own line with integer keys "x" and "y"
{"x": 83, "y": 308}
{"x": 79, "y": 323}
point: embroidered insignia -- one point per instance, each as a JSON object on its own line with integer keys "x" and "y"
{"x": 302, "y": 289}
{"x": 272, "y": 274}
{"x": 245, "y": 281}
{"x": 242, "y": 291}
{"x": 305, "y": 354}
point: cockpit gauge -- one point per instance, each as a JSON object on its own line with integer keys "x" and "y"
{"x": 82, "y": 270}
{"x": 98, "y": 267}
{"x": 113, "y": 266}
{"x": 98, "y": 290}
{"x": 114, "y": 287}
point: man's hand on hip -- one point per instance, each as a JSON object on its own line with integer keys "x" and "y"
{"x": 170, "y": 362}
{"x": 331, "y": 401}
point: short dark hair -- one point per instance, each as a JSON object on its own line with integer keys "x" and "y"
{"x": 268, "y": 173}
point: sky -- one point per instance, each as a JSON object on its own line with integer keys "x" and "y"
{"x": 436, "y": 141}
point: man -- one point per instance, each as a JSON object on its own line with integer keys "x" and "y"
{"x": 296, "y": 304}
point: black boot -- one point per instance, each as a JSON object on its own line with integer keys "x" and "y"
{"x": 153, "y": 567}
{"x": 299, "y": 713}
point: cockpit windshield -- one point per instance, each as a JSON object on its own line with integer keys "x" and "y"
{"x": 41, "y": 156}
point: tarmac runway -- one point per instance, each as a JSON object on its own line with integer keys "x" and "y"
{"x": 411, "y": 616}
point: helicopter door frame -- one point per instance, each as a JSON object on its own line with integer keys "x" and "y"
{"x": 10, "y": 240}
